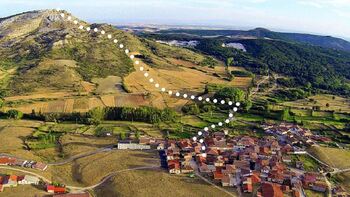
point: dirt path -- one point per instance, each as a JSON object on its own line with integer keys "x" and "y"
{"x": 77, "y": 189}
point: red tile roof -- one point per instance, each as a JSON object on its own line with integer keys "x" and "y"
{"x": 271, "y": 190}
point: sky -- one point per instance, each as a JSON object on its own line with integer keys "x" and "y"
{"x": 323, "y": 17}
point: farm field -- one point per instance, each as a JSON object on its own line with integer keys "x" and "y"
{"x": 336, "y": 103}
{"x": 343, "y": 179}
{"x": 335, "y": 157}
{"x": 148, "y": 183}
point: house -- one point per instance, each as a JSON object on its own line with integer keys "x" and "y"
{"x": 28, "y": 179}
{"x": 12, "y": 181}
{"x": 319, "y": 186}
{"x": 247, "y": 185}
{"x": 271, "y": 190}
{"x": 55, "y": 189}
{"x": 174, "y": 167}
{"x": 40, "y": 166}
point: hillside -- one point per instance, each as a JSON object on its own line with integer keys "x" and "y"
{"x": 50, "y": 65}
{"x": 309, "y": 66}
{"x": 316, "y": 40}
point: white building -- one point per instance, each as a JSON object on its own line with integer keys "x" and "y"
{"x": 28, "y": 179}
{"x": 133, "y": 146}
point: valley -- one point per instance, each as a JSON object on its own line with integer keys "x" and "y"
{"x": 71, "y": 97}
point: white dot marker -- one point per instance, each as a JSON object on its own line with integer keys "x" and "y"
{"x": 170, "y": 92}
{"x": 235, "y": 109}
{"x": 227, "y": 121}
{"x": 194, "y": 138}
{"x": 238, "y": 104}
{"x": 69, "y": 18}
{"x": 220, "y": 124}
{"x": 109, "y": 36}
{"x": 132, "y": 56}
{"x": 151, "y": 80}
{"x": 146, "y": 74}
{"x": 215, "y": 100}
{"x": 103, "y": 32}
{"x": 156, "y": 85}
{"x": 200, "y": 133}
{"x": 207, "y": 99}
{"x": 163, "y": 89}
{"x": 88, "y": 29}
{"x": 204, "y": 155}
{"x": 121, "y": 46}
{"x": 203, "y": 147}
{"x": 206, "y": 128}
{"x": 201, "y": 140}
{"x": 212, "y": 126}
{"x": 81, "y": 27}
{"x": 75, "y": 22}
{"x": 95, "y": 30}
{"x": 126, "y": 51}
{"x": 185, "y": 95}
{"x": 193, "y": 97}
{"x": 222, "y": 102}
{"x": 177, "y": 94}
{"x": 230, "y": 103}
{"x": 141, "y": 68}
{"x": 137, "y": 62}
{"x": 115, "y": 40}
{"x": 200, "y": 98}
{"x": 62, "y": 15}
{"x": 230, "y": 115}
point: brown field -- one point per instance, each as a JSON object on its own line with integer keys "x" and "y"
{"x": 241, "y": 82}
{"x": 87, "y": 86}
{"x": 338, "y": 103}
{"x": 148, "y": 183}
{"x": 335, "y": 157}
{"x": 108, "y": 100}
{"x": 39, "y": 95}
{"x": 12, "y": 134}
{"x": 344, "y": 179}
{"x": 110, "y": 84}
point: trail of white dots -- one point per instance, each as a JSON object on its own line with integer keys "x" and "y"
{"x": 199, "y": 138}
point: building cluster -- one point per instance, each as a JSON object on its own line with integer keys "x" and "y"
{"x": 14, "y": 181}
{"x": 12, "y": 161}
{"x": 180, "y": 43}
{"x": 291, "y": 133}
{"x": 253, "y": 165}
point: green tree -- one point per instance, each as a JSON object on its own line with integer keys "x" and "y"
{"x": 231, "y": 93}
{"x": 14, "y": 114}
{"x": 285, "y": 115}
{"x": 122, "y": 135}
{"x": 96, "y": 115}
{"x": 229, "y": 61}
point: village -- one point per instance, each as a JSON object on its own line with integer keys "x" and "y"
{"x": 256, "y": 166}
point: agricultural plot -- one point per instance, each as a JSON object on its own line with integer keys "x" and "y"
{"x": 335, "y": 157}
{"x": 336, "y": 103}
